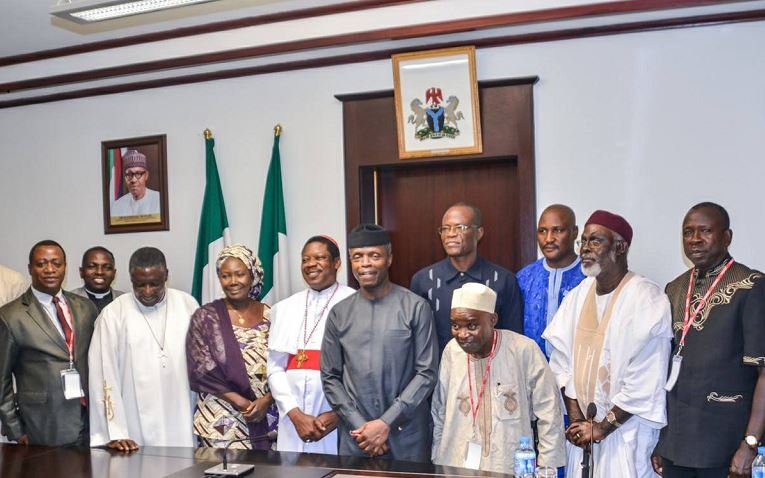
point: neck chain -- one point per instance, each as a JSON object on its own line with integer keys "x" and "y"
{"x": 240, "y": 318}
{"x": 162, "y": 354}
{"x": 301, "y": 355}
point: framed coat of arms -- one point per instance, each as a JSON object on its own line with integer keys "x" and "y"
{"x": 436, "y": 96}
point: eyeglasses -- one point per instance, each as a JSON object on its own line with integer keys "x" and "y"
{"x": 135, "y": 175}
{"x": 594, "y": 242}
{"x": 458, "y": 228}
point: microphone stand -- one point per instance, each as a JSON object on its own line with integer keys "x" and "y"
{"x": 592, "y": 410}
{"x": 235, "y": 469}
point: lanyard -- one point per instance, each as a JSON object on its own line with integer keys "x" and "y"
{"x": 486, "y": 373}
{"x": 689, "y": 317}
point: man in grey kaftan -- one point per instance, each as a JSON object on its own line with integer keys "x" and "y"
{"x": 379, "y": 359}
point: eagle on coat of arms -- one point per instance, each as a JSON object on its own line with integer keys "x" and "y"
{"x": 435, "y": 118}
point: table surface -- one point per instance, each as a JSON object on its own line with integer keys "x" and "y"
{"x": 155, "y": 462}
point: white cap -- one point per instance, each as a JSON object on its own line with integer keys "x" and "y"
{"x": 474, "y": 296}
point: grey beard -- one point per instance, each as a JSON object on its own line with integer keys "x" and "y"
{"x": 592, "y": 271}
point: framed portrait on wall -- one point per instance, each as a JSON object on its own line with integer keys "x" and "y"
{"x": 134, "y": 177}
{"x": 436, "y": 96}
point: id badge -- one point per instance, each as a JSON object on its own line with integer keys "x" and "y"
{"x": 473, "y": 459}
{"x": 677, "y": 361}
{"x": 70, "y": 380}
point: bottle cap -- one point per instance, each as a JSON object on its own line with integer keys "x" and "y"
{"x": 526, "y": 441}
{"x": 761, "y": 450}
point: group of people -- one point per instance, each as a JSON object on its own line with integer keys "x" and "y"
{"x": 592, "y": 360}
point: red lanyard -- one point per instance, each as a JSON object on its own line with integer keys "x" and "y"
{"x": 486, "y": 373}
{"x": 689, "y": 317}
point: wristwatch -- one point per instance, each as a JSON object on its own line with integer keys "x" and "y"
{"x": 752, "y": 441}
{"x": 611, "y": 419}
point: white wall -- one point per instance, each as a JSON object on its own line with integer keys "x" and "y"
{"x": 642, "y": 124}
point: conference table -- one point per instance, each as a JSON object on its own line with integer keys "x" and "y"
{"x": 156, "y": 462}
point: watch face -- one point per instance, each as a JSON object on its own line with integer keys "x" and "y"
{"x": 751, "y": 441}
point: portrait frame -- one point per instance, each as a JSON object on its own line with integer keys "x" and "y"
{"x": 437, "y": 104}
{"x": 119, "y": 192}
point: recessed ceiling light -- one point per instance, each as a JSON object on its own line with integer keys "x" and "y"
{"x": 87, "y": 11}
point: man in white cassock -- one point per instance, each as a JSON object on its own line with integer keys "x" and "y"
{"x": 141, "y": 394}
{"x": 611, "y": 345}
{"x": 306, "y": 421}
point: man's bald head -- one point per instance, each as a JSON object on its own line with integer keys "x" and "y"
{"x": 556, "y": 234}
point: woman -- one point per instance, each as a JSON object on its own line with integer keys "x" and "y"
{"x": 226, "y": 350}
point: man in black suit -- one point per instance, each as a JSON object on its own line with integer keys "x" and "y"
{"x": 44, "y": 340}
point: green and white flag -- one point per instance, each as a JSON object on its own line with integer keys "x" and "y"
{"x": 214, "y": 234}
{"x": 272, "y": 247}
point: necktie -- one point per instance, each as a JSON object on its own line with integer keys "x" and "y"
{"x": 62, "y": 320}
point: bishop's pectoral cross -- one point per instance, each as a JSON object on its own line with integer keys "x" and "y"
{"x": 301, "y": 357}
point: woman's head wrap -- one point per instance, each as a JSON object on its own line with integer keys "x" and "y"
{"x": 250, "y": 260}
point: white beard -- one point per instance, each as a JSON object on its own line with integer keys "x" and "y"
{"x": 595, "y": 269}
{"x": 591, "y": 271}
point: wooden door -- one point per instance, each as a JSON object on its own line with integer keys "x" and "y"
{"x": 409, "y": 197}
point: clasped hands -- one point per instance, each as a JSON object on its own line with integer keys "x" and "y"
{"x": 372, "y": 437}
{"x": 310, "y": 428}
{"x": 255, "y": 410}
{"x": 583, "y": 432}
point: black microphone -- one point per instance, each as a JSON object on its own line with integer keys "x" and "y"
{"x": 592, "y": 410}
{"x": 236, "y": 469}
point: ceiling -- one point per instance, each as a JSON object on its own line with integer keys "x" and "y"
{"x": 265, "y": 36}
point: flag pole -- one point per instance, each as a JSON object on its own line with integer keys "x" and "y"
{"x": 278, "y": 130}
{"x": 207, "y": 133}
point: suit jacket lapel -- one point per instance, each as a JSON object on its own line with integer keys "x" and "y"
{"x": 41, "y": 318}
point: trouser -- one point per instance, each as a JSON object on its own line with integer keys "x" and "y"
{"x": 670, "y": 470}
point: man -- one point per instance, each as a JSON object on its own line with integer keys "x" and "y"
{"x": 44, "y": 339}
{"x": 379, "y": 358}
{"x": 460, "y": 231}
{"x": 97, "y": 272}
{"x": 137, "y": 358}
{"x": 12, "y": 285}
{"x": 140, "y": 200}
{"x": 716, "y": 407}
{"x": 545, "y": 282}
{"x": 610, "y": 347}
{"x": 491, "y": 384}
{"x": 306, "y": 421}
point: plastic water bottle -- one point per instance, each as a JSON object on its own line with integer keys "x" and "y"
{"x": 758, "y": 465}
{"x": 525, "y": 459}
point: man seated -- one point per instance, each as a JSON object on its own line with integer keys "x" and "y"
{"x": 492, "y": 383}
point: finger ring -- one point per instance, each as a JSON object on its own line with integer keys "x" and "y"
{"x": 577, "y": 435}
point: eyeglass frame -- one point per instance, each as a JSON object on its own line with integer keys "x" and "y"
{"x": 457, "y": 228}
{"x": 134, "y": 175}
{"x": 594, "y": 242}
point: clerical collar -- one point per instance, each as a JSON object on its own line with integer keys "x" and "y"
{"x": 151, "y": 308}
{"x": 562, "y": 269}
{"x": 324, "y": 292}
{"x": 96, "y": 294}
{"x": 713, "y": 271}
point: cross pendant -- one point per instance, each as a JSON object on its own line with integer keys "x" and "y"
{"x": 301, "y": 357}
{"x": 163, "y": 359}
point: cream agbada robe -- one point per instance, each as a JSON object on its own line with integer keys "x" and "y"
{"x": 521, "y": 387}
{"x": 632, "y": 373}
{"x": 132, "y": 395}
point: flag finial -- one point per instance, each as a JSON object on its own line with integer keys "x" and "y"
{"x": 208, "y": 133}
{"x": 278, "y": 130}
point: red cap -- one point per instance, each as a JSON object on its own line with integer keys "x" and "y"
{"x": 612, "y": 221}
